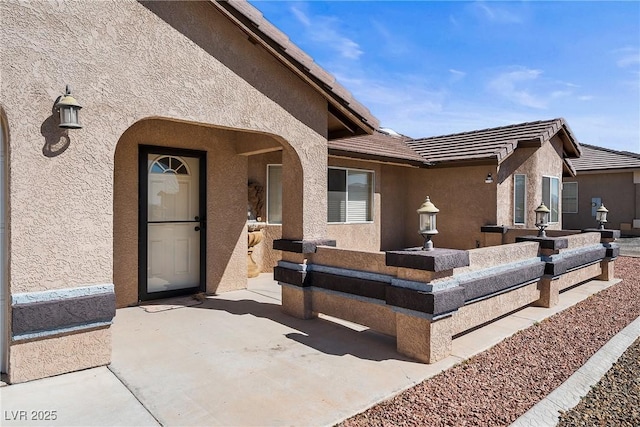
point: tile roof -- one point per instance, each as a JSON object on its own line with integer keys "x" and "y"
{"x": 493, "y": 144}
{"x": 598, "y": 158}
{"x": 300, "y": 62}
{"x": 379, "y": 146}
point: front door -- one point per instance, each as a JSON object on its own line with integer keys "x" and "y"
{"x": 172, "y": 219}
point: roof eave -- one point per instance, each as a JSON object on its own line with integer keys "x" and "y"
{"x": 377, "y": 158}
{"x": 364, "y": 125}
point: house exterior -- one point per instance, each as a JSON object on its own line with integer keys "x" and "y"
{"x": 603, "y": 176}
{"x": 491, "y": 177}
{"x": 185, "y": 106}
{"x": 149, "y": 198}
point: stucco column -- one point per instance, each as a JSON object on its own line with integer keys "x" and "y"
{"x": 304, "y": 191}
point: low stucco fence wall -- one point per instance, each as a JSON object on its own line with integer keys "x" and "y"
{"x": 426, "y": 298}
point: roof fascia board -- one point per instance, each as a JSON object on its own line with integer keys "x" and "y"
{"x": 463, "y": 163}
{"x": 604, "y": 171}
{"x": 374, "y": 158}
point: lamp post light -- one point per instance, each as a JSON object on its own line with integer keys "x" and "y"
{"x": 69, "y": 110}
{"x": 542, "y": 219}
{"x": 601, "y": 216}
{"x": 427, "y": 215}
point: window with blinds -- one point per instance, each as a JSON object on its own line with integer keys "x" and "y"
{"x": 519, "y": 199}
{"x": 570, "y": 197}
{"x": 349, "y": 195}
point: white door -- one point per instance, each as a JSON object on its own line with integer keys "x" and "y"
{"x": 173, "y": 222}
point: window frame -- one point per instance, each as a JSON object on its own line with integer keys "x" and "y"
{"x": 370, "y": 214}
{"x": 548, "y": 202}
{"x": 267, "y": 205}
{"x": 576, "y": 197}
{"x": 524, "y": 206}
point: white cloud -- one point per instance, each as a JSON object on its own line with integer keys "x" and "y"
{"x": 585, "y": 98}
{"x": 301, "y": 16}
{"x": 457, "y": 73}
{"x": 517, "y": 86}
{"x": 497, "y": 14}
{"x": 325, "y": 30}
{"x": 627, "y": 57}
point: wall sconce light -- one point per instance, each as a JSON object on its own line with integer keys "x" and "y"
{"x": 69, "y": 110}
{"x": 488, "y": 179}
{"x": 601, "y": 216}
{"x": 427, "y": 215}
{"x": 542, "y": 219}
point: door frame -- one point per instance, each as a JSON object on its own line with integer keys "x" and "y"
{"x": 143, "y": 184}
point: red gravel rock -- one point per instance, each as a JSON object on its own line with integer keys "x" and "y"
{"x": 497, "y": 386}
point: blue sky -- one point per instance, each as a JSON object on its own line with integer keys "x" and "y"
{"x": 431, "y": 68}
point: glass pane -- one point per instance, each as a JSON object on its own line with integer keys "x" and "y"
{"x": 519, "y": 199}
{"x": 570, "y": 197}
{"x": 337, "y": 195}
{"x": 274, "y": 194}
{"x": 555, "y": 199}
{"x": 171, "y": 196}
{"x": 546, "y": 191}
{"x": 359, "y": 196}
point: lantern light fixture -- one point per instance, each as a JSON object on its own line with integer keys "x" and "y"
{"x": 69, "y": 110}
{"x": 427, "y": 216}
{"x": 542, "y": 219}
{"x": 601, "y": 216}
{"x": 488, "y": 179}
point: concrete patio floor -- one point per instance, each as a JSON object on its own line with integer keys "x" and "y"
{"x": 236, "y": 360}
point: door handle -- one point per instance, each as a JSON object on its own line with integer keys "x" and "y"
{"x": 197, "y": 228}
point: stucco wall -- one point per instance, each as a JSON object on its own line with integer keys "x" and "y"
{"x": 618, "y": 193}
{"x": 393, "y": 193}
{"x": 359, "y": 236}
{"x": 126, "y": 62}
{"x": 465, "y": 201}
{"x": 226, "y": 204}
{"x": 534, "y": 163}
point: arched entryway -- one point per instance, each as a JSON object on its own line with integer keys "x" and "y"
{"x": 180, "y": 208}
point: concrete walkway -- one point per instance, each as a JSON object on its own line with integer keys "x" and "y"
{"x": 236, "y": 360}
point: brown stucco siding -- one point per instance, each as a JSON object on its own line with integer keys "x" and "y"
{"x": 226, "y": 204}
{"x": 618, "y": 193}
{"x": 534, "y": 163}
{"x": 359, "y": 236}
{"x": 128, "y": 63}
{"x": 465, "y": 201}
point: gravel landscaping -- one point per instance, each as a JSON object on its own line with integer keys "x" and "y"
{"x": 497, "y": 386}
{"x": 615, "y": 400}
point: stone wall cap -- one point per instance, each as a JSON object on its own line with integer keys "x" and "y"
{"x": 604, "y": 234}
{"x": 438, "y": 259}
{"x": 554, "y": 243}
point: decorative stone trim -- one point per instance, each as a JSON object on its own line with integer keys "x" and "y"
{"x": 350, "y": 285}
{"x": 499, "y": 229}
{"x": 604, "y": 234}
{"x": 290, "y": 276}
{"x": 613, "y": 251}
{"x": 435, "y": 260}
{"x": 570, "y": 260}
{"x": 434, "y": 303}
{"x": 481, "y": 286}
{"x": 49, "y": 313}
{"x": 301, "y": 246}
{"x": 553, "y": 243}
